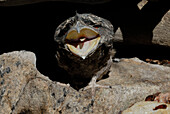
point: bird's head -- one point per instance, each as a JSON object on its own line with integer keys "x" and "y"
{"x": 82, "y": 34}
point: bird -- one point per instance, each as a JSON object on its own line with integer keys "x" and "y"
{"x": 84, "y": 47}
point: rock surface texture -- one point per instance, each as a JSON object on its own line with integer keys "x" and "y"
{"x": 149, "y": 108}
{"x": 23, "y": 89}
{"x": 161, "y": 34}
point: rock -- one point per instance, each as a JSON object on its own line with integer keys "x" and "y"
{"x": 142, "y": 3}
{"x": 17, "y": 68}
{"x": 142, "y": 29}
{"x": 161, "y": 34}
{"x": 148, "y": 107}
{"x": 163, "y": 97}
{"x": 23, "y": 89}
{"x": 118, "y": 36}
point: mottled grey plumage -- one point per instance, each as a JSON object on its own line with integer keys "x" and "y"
{"x": 94, "y": 61}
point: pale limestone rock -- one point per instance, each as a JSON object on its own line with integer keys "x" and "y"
{"x": 148, "y": 107}
{"x": 23, "y": 89}
{"x": 142, "y": 3}
{"x": 161, "y": 33}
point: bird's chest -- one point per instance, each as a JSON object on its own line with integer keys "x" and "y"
{"x": 89, "y": 67}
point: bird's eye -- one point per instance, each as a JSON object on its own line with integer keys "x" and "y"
{"x": 97, "y": 26}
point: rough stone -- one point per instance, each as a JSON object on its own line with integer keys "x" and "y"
{"x": 148, "y": 107}
{"x": 161, "y": 34}
{"x": 148, "y": 31}
{"x": 118, "y": 36}
{"x": 142, "y": 3}
{"x": 25, "y": 90}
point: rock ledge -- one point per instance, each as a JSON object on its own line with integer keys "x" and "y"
{"x": 23, "y": 89}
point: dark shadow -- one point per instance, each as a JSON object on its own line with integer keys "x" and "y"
{"x": 137, "y": 25}
{"x": 155, "y": 52}
{"x": 105, "y": 76}
{"x": 32, "y": 27}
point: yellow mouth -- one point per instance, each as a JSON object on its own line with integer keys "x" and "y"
{"x": 82, "y": 43}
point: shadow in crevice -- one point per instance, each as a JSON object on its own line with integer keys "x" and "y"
{"x": 155, "y": 52}
{"x": 105, "y": 76}
{"x": 79, "y": 83}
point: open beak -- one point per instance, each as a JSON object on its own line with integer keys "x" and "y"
{"x": 83, "y": 42}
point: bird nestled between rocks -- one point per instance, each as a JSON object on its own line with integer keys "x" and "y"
{"x": 85, "y": 48}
